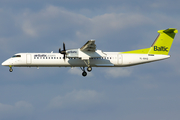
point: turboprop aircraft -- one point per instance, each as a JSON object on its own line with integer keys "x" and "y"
{"x": 88, "y": 56}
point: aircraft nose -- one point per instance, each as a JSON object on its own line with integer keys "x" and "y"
{"x": 5, "y": 63}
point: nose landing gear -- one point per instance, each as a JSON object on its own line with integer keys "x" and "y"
{"x": 10, "y": 69}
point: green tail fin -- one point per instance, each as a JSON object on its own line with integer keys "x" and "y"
{"x": 161, "y": 45}
{"x": 163, "y": 42}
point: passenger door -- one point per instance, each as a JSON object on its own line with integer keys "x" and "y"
{"x": 119, "y": 59}
{"x": 28, "y": 58}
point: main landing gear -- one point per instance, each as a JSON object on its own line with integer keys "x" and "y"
{"x": 84, "y": 73}
{"x": 89, "y": 68}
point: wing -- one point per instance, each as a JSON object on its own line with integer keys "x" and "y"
{"x": 90, "y": 46}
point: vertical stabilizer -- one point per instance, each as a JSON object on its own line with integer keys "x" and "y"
{"x": 163, "y": 42}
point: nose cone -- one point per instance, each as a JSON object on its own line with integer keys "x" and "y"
{"x": 5, "y": 63}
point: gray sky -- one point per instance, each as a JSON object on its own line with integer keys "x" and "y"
{"x": 149, "y": 91}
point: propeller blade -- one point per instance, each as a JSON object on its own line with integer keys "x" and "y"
{"x": 59, "y": 50}
{"x": 64, "y": 57}
{"x": 64, "y": 47}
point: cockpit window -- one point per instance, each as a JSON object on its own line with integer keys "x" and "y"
{"x": 16, "y": 56}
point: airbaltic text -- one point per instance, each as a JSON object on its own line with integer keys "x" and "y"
{"x": 162, "y": 48}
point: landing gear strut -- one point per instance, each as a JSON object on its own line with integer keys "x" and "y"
{"x": 84, "y": 73}
{"x": 10, "y": 69}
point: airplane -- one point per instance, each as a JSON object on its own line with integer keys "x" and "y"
{"x": 88, "y": 56}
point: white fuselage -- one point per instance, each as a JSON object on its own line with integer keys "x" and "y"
{"x": 112, "y": 59}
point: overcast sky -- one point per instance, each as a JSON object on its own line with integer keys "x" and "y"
{"x": 144, "y": 92}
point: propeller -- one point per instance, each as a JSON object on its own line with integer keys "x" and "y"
{"x": 63, "y": 51}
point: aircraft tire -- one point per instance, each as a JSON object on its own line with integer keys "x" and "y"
{"x": 10, "y": 69}
{"x": 89, "y": 69}
{"x": 84, "y": 73}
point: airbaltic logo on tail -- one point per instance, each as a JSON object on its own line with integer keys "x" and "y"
{"x": 162, "y": 48}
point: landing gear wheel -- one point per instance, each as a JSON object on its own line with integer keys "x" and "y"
{"x": 10, "y": 69}
{"x": 89, "y": 69}
{"x": 84, "y": 73}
